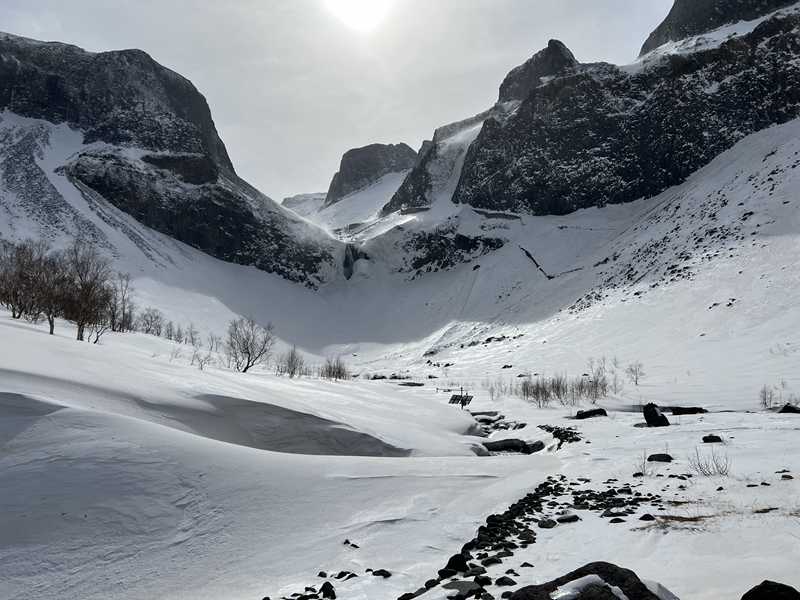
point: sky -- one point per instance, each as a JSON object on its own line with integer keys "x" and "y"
{"x": 293, "y": 84}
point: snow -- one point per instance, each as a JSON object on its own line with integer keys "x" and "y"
{"x": 705, "y": 41}
{"x": 135, "y": 475}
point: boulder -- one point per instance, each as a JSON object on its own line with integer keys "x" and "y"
{"x": 712, "y": 439}
{"x": 662, "y": 457}
{"x": 770, "y": 590}
{"x": 327, "y": 590}
{"x": 594, "y": 412}
{"x": 688, "y": 410}
{"x": 789, "y": 409}
{"x": 653, "y": 416}
{"x": 514, "y": 445}
{"x": 458, "y": 563}
{"x": 609, "y": 574}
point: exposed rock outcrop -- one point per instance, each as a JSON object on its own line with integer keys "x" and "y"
{"x": 361, "y": 167}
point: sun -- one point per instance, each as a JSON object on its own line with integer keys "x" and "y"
{"x": 361, "y": 15}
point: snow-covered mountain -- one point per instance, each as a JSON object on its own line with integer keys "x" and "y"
{"x": 84, "y": 131}
{"x": 638, "y": 213}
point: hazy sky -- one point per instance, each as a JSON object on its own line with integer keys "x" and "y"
{"x": 292, "y": 85}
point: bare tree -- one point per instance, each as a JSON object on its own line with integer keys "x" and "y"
{"x": 52, "y": 287}
{"x": 334, "y": 368}
{"x": 214, "y": 342}
{"x": 151, "y": 321}
{"x": 291, "y": 363}
{"x": 635, "y": 372}
{"x": 248, "y": 343}
{"x": 89, "y": 292}
{"x": 121, "y": 307}
{"x": 19, "y": 266}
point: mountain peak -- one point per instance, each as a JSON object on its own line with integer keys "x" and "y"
{"x": 545, "y": 63}
{"x": 362, "y": 166}
{"x": 692, "y": 17}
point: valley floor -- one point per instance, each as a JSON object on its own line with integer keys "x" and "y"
{"x": 128, "y": 473}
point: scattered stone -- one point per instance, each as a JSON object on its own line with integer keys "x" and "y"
{"x": 653, "y": 416}
{"x": 505, "y": 581}
{"x": 589, "y": 414}
{"x": 526, "y": 565}
{"x": 624, "y": 579}
{"x": 458, "y": 563}
{"x": 770, "y": 590}
{"x": 647, "y": 517}
{"x": 381, "y": 573}
{"x": 663, "y": 457}
{"x": 617, "y": 520}
{"x": 688, "y": 410}
{"x": 712, "y": 439}
{"x": 547, "y": 523}
{"x": 514, "y": 445}
{"x": 786, "y": 477}
{"x": 572, "y": 518}
{"x": 322, "y": 574}
{"x": 327, "y": 590}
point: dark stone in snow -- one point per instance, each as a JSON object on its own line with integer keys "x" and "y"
{"x": 712, "y": 439}
{"x": 624, "y": 579}
{"x": 381, "y": 573}
{"x": 588, "y": 414}
{"x": 653, "y": 416}
{"x": 546, "y": 523}
{"x": 688, "y": 410}
{"x": 327, "y": 590}
{"x": 568, "y": 518}
{"x": 647, "y": 517}
{"x": 659, "y": 458}
{"x": 505, "y": 581}
{"x": 789, "y": 409}
{"x": 770, "y": 590}
{"x": 457, "y": 562}
{"x": 514, "y": 445}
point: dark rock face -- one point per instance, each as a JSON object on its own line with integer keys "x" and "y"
{"x": 162, "y": 163}
{"x": 600, "y": 134}
{"x": 770, "y": 590}
{"x": 121, "y": 97}
{"x": 692, "y": 17}
{"x": 653, "y": 416}
{"x": 360, "y": 167}
{"x": 521, "y": 80}
{"x": 612, "y": 575}
{"x": 444, "y": 248}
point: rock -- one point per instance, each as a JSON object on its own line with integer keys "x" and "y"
{"x": 514, "y": 445}
{"x": 662, "y": 457}
{"x": 546, "y": 523}
{"x": 789, "y": 409}
{"x": 617, "y": 520}
{"x": 322, "y": 574}
{"x": 568, "y": 518}
{"x": 554, "y": 59}
{"x": 527, "y": 161}
{"x": 627, "y": 581}
{"x": 381, "y": 573}
{"x": 786, "y": 477}
{"x": 446, "y": 573}
{"x": 647, "y": 517}
{"x": 361, "y": 167}
{"x": 327, "y": 590}
{"x": 458, "y": 563}
{"x": 526, "y": 565}
{"x": 712, "y": 439}
{"x": 588, "y": 414}
{"x": 152, "y": 151}
{"x": 688, "y": 410}
{"x": 691, "y": 17}
{"x": 653, "y": 416}
{"x": 464, "y": 587}
{"x": 504, "y": 581}
{"x": 770, "y": 590}
{"x": 483, "y": 580}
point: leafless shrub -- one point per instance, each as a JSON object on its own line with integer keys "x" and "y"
{"x": 291, "y": 363}
{"x": 334, "y": 369}
{"x": 642, "y": 466}
{"x": 635, "y": 372}
{"x": 248, "y": 343}
{"x": 712, "y": 464}
{"x": 150, "y": 321}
